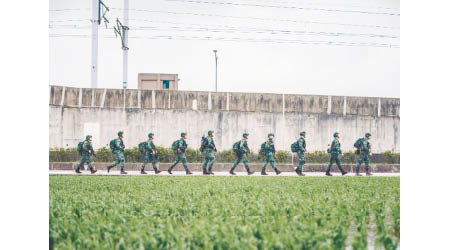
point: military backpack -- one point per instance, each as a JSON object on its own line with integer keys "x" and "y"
{"x": 142, "y": 147}
{"x": 203, "y": 144}
{"x": 262, "y": 150}
{"x": 357, "y": 145}
{"x": 175, "y": 146}
{"x": 236, "y": 148}
{"x": 112, "y": 145}
{"x": 80, "y": 147}
{"x": 295, "y": 147}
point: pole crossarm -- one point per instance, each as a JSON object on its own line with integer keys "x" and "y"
{"x": 120, "y": 30}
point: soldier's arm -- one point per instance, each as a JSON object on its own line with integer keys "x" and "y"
{"x": 339, "y": 148}
{"x": 300, "y": 145}
{"x": 85, "y": 146}
{"x": 149, "y": 146}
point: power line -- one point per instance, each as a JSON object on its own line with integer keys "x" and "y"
{"x": 242, "y": 17}
{"x": 238, "y": 39}
{"x": 318, "y": 3}
{"x": 261, "y": 19}
{"x": 287, "y": 7}
{"x": 235, "y": 29}
{"x": 57, "y": 10}
{"x": 69, "y": 20}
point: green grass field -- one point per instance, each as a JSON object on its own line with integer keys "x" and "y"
{"x": 92, "y": 212}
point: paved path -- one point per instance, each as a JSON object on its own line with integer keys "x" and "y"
{"x": 182, "y": 173}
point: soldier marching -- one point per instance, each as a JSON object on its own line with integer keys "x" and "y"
{"x": 240, "y": 149}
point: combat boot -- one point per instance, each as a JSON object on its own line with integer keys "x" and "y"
{"x": 249, "y": 172}
{"x": 263, "y": 172}
{"x": 357, "y": 173}
{"x": 343, "y": 172}
{"x": 328, "y": 173}
{"x": 188, "y": 172}
{"x": 204, "y": 172}
{"x": 368, "y": 173}
{"x": 93, "y": 171}
{"x": 108, "y": 168}
{"x": 157, "y": 171}
{"x": 143, "y": 172}
{"x": 169, "y": 170}
{"x": 297, "y": 171}
{"x": 232, "y": 172}
{"x": 300, "y": 173}
{"x": 277, "y": 171}
{"x": 210, "y": 172}
{"x": 123, "y": 172}
{"x": 78, "y": 171}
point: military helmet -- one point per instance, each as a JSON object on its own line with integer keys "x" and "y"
{"x": 270, "y": 134}
{"x": 183, "y": 134}
{"x": 368, "y": 134}
{"x": 303, "y": 133}
{"x": 88, "y": 136}
{"x": 244, "y": 134}
{"x": 120, "y": 133}
{"x": 336, "y": 134}
{"x": 150, "y": 135}
{"x": 210, "y": 132}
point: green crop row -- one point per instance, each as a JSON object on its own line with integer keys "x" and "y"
{"x": 92, "y": 212}
{"x": 194, "y": 155}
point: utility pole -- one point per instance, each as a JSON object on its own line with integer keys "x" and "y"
{"x": 94, "y": 45}
{"x": 215, "y": 55}
{"x": 125, "y": 48}
{"x": 121, "y": 30}
{"x": 99, "y": 10}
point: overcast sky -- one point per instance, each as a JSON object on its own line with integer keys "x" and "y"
{"x": 268, "y": 53}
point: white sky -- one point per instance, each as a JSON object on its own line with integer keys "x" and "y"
{"x": 272, "y": 67}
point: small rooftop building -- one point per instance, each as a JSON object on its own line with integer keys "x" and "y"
{"x": 157, "y": 81}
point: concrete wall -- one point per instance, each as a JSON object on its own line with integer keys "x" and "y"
{"x": 76, "y": 112}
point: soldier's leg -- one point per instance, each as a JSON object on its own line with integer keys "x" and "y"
{"x": 122, "y": 161}
{"x": 245, "y": 161}
{"x": 205, "y": 162}
{"x": 116, "y": 161}
{"x": 146, "y": 160}
{"x": 301, "y": 161}
{"x": 82, "y": 160}
{"x": 177, "y": 159}
{"x": 88, "y": 162}
{"x": 272, "y": 163}
{"x": 358, "y": 165}
{"x": 331, "y": 163}
{"x": 236, "y": 162}
{"x": 154, "y": 163}
{"x": 212, "y": 159}
{"x": 183, "y": 160}
{"x": 265, "y": 164}
{"x": 338, "y": 163}
{"x": 367, "y": 161}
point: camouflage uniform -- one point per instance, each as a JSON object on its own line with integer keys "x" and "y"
{"x": 86, "y": 152}
{"x": 301, "y": 153}
{"x": 269, "y": 151}
{"x": 119, "y": 152}
{"x": 181, "y": 149}
{"x": 244, "y": 150}
{"x": 209, "y": 155}
{"x": 365, "y": 151}
{"x": 149, "y": 155}
{"x": 335, "y": 152}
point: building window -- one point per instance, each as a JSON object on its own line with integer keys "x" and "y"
{"x": 165, "y": 84}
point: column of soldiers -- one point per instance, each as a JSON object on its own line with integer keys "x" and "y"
{"x": 240, "y": 149}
